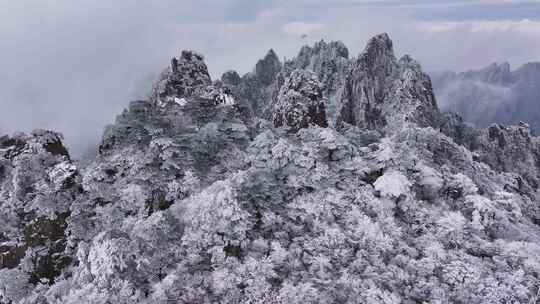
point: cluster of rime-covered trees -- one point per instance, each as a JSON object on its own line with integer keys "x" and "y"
{"x": 196, "y": 201}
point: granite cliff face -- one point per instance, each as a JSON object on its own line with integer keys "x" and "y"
{"x": 38, "y": 186}
{"x": 323, "y": 179}
{"x": 331, "y": 63}
{"x": 382, "y": 90}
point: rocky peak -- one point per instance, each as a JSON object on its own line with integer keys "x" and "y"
{"x": 44, "y": 152}
{"x": 256, "y": 91}
{"x": 185, "y": 77}
{"x": 191, "y": 67}
{"x": 267, "y": 68}
{"x": 381, "y": 90}
{"x": 330, "y": 62}
{"x": 318, "y": 56}
{"x": 369, "y": 83}
{"x": 413, "y": 95}
{"x": 320, "y": 52}
{"x": 36, "y": 142}
{"x": 495, "y": 73}
{"x": 510, "y": 149}
{"x": 231, "y": 78}
{"x": 378, "y": 54}
{"x": 300, "y": 102}
{"x": 51, "y": 141}
{"x": 188, "y": 78}
{"x": 336, "y": 48}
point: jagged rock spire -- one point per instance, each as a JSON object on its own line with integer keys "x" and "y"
{"x": 330, "y": 62}
{"x": 413, "y": 96}
{"x": 379, "y": 48}
{"x": 378, "y": 57}
{"x": 191, "y": 70}
{"x": 231, "y": 78}
{"x": 186, "y": 74}
{"x": 327, "y": 60}
{"x": 300, "y": 102}
{"x": 267, "y": 68}
{"x": 382, "y": 90}
{"x": 368, "y": 84}
{"x": 335, "y": 48}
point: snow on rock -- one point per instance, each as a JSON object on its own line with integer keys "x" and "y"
{"x": 180, "y": 101}
{"x": 185, "y": 77}
{"x": 393, "y": 184}
{"x": 300, "y": 102}
{"x": 324, "y": 179}
{"x": 330, "y": 62}
{"x": 511, "y": 149}
{"x": 368, "y": 84}
{"x": 63, "y": 174}
{"x": 381, "y": 90}
{"x": 430, "y": 182}
{"x": 38, "y": 186}
{"x": 224, "y": 99}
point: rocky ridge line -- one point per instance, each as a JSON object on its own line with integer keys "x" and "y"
{"x": 324, "y": 179}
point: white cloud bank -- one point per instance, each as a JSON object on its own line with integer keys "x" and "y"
{"x": 301, "y": 28}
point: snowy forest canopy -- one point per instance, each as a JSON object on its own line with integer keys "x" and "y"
{"x": 322, "y": 179}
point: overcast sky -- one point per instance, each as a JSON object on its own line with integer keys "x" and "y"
{"x": 73, "y": 65}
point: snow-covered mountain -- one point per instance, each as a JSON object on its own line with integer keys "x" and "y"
{"x": 495, "y": 94}
{"x": 323, "y": 179}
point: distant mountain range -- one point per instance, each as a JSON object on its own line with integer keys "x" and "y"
{"x": 495, "y": 94}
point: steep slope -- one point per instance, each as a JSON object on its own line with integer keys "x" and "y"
{"x": 38, "y": 185}
{"x": 321, "y": 180}
{"x": 162, "y": 149}
{"x": 381, "y": 90}
{"x": 255, "y": 89}
{"x": 331, "y": 63}
{"x": 300, "y": 102}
